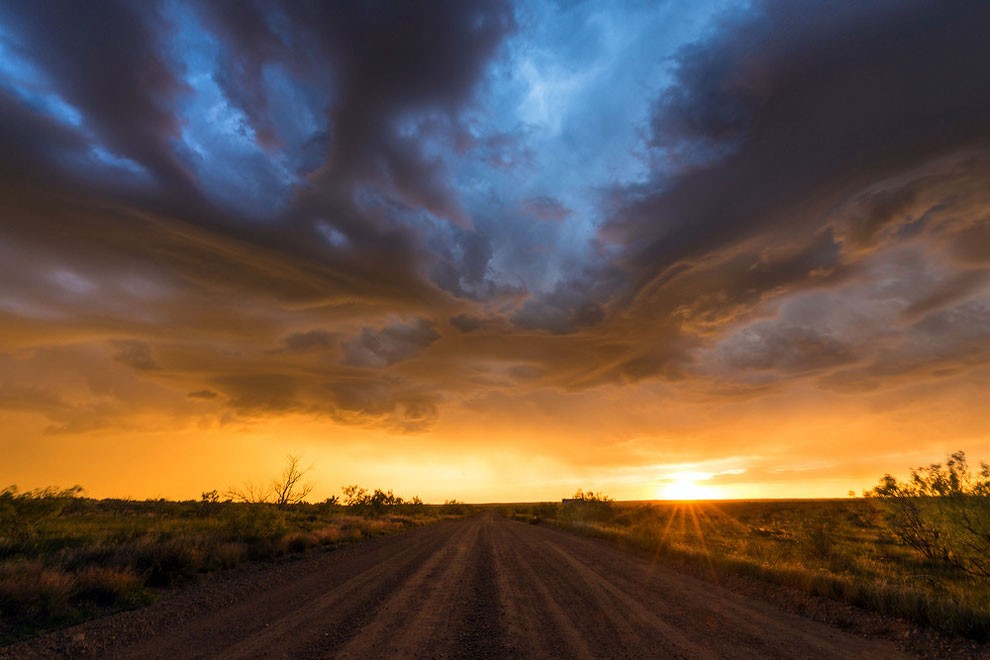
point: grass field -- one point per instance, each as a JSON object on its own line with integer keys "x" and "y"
{"x": 842, "y": 549}
{"x": 65, "y": 558}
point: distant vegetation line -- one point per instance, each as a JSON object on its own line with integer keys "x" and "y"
{"x": 917, "y": 549}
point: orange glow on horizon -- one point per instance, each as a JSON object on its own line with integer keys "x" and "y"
{"x": 504, "y": 454}
{"x": 499, "y": 464}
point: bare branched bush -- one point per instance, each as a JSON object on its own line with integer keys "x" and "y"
{"x": 250, "y": 493}
{"x": 284, "y": 490}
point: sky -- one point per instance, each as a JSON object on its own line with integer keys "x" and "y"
{"x": 493, "y": 251}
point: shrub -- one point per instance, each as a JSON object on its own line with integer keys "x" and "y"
{"x": 106, "y": 586}
{"x": 165, "y": 561}
{"x": 327, "y": 535}
{"x": 943, "y": 513}
{"x": 377, "y": 503}
{"x": 252, "y": 522}
{"x": 588, "y": 507}
{"x": 30, "y": 591}
{"x": 224, "y": 554}
{"x": 23, "y": 515}
{"x": 300, "y": 542}
{"x": 265, "y": 548}
{"x": 545, "y": 510}
{"x": 817, "y": 537}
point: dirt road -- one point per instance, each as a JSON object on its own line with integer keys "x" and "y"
{"x": 483, "y": 587}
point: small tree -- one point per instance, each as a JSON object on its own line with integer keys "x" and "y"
{"x": 289, "y": 489}
{"x": 943, "y": 513}
{"x": 381, "y": 500}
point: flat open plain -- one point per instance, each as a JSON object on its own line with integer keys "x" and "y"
{"x": 481, "y": 587}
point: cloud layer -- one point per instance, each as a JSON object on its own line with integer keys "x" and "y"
{"x": 403, "y": 217}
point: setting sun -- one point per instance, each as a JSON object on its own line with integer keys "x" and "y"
{"x": 685, "y": 486}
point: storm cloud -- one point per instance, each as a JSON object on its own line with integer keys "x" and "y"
{"x": 389, "y": 216}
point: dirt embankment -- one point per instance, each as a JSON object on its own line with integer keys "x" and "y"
{"x": 483, "y": 587}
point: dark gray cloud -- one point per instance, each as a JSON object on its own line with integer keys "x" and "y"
{"x": 784, "y": 348}
{"x": 36, "y": 399}
{"x": 309, "y": 341}
{"x": 726, "y": 288}
{"x": 790, "y": 141}
{"x": 378, "y": 65}
{"x": 393, "y": 343}
{"x": 206, "y": 395}
{"x": 252, "y": 41}
{"x": 401, "y": 59}
{"x": 525, "y": 372}
{"x": 785, "y": 107}
{"x": 466, "y": 322}
{"x": 573, "y": 303}
{"x": 31, "y": 141}
{"x": 385, "y": 402}
{"x": 462, "y": 267}
{"x": 941, "y": 198}
{"x": 123, "y": 86}
{"x": 134, "y": 354}
{"x": 941, "y": 345}
{"x": 262, "y": 392}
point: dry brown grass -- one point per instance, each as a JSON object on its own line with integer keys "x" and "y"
{"x": 840, "y": 549}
